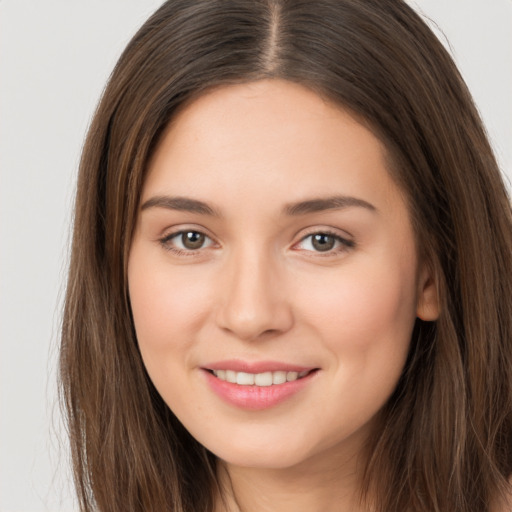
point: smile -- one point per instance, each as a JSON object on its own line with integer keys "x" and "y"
{"x": 266, "y": 386}
{"x": 264, "y": 379}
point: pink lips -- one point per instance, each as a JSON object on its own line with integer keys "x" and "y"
{"x": 252, "y": 397}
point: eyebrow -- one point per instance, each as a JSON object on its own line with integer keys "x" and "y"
{"x": 187, "y": 204}
{"x": 184, "y": 204}
{"x": 328, "y": 203}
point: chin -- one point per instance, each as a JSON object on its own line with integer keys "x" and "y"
{"x": 267, "y": 458}
{"x": 264, "y": 452}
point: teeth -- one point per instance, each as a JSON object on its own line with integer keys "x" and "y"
{"x": 258, "y": 379}
{"x": 278, "y": 377}
{"x": 292, "y": 376}
{"x": 245, "y": 379}
{"x": 263, "y": 379}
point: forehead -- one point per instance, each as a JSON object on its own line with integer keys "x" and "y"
{"x": 270, "y": 141}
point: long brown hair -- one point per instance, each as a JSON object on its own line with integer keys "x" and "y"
{"x": 444, "y": 440}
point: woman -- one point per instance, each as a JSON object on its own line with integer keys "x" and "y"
{"x": 290, "y": 279}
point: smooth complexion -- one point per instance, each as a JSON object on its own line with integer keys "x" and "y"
{"x": 271, "y": 235}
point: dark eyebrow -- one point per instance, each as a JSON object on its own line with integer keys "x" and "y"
{"x": 328, "y": 203}
{"x": 184, "y": 204}
{"x": 299, "y": 208}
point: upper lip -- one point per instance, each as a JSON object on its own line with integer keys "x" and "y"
{"x": 239, "y": 365}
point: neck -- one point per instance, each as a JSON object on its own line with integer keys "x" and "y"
{"x": 318, "y": 485}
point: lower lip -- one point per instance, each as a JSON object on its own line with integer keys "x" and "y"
{"x": 256, "y": 398}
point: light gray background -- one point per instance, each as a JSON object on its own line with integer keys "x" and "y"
{"x": 55, "y": 56}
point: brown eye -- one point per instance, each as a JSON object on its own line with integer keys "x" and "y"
{"x": 323, "y": 242}
{"x": 192, "y": 240}
{"x": 183, "y": 242}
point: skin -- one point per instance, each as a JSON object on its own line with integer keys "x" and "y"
{"x": 258, "y": 289}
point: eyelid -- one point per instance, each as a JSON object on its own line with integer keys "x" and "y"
{"x": 171, "y": 233}
{"x": 346, "y": 241}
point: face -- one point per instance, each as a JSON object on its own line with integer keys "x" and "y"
{"x": 273, "y": 275}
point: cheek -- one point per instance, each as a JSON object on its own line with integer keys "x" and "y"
{"x": 365, "y": 320}
{"x": 167, "y": 307}
{"x": 369, "y": 308}
{"x": 164, "y": 304}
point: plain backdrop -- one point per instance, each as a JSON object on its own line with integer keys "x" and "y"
{"x": 55, "y": 57}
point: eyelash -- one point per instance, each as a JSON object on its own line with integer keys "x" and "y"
{"x": 344, "y": 244}
{"x": 166, "y": 242}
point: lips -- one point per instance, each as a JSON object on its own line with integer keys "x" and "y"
{"x": 256, "y": 386}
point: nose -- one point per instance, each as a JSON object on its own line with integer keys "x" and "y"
{"x": 254, "y": 303}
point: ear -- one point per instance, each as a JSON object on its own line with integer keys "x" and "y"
{"x": 427, "y": 308}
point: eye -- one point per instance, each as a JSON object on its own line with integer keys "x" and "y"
{"x": 324, "y": 242}
{"x": 186, "y": 241}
